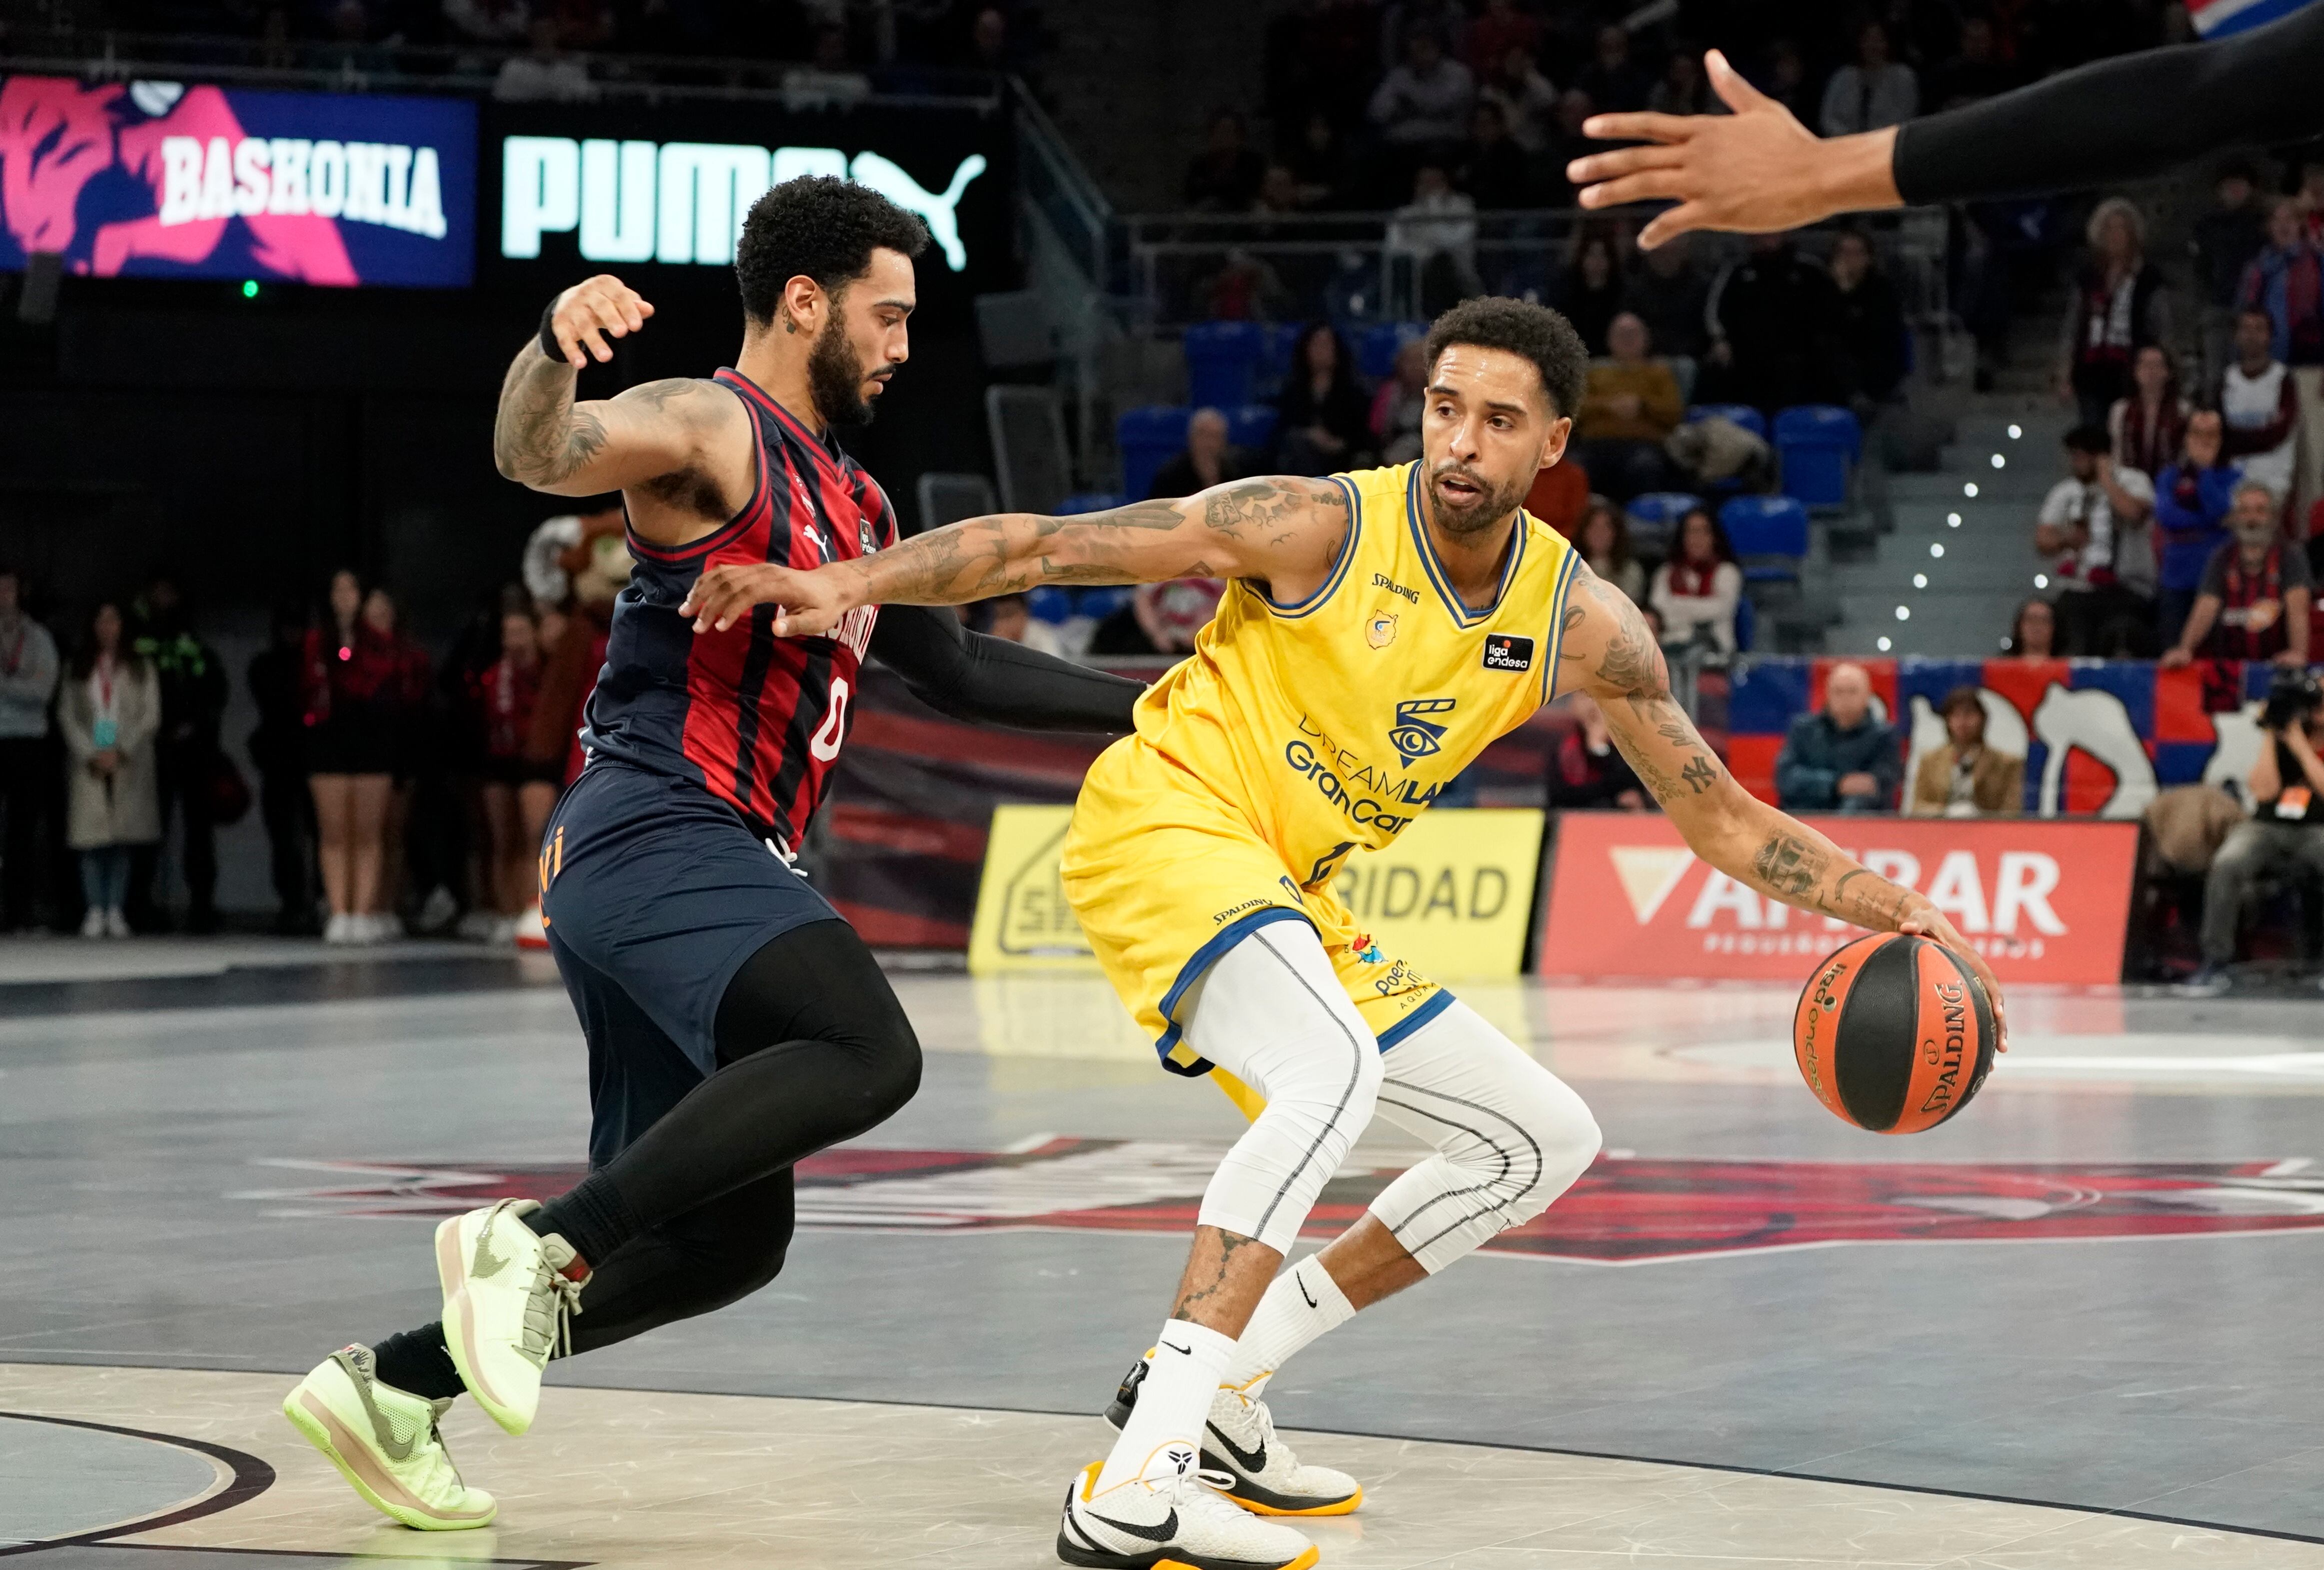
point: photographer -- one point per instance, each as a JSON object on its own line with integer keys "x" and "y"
{"x": 2286, "y": 828}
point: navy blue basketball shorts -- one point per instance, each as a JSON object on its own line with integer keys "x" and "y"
{"x": 655, "y": 893}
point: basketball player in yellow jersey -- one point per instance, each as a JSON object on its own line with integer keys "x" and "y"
{"x": 1380, "y": 629}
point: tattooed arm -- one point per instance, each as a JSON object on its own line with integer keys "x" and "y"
{"x": 1607, "y": 651}
{"x": 1282, "y": 530}
{"x": 661, "y": 431}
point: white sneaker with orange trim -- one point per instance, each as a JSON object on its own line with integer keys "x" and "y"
{"x": 1241, "y": 1442}
{"x": 1171, "y": 1517}
{"x": 509, "y": 1298}
{"x": 385, "y": 1442}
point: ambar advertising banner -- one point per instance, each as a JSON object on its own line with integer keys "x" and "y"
{"x": 1452, "y": 894}
{"x": 2043, "y": 901}
{"x": 625, "y": 188}
{"x": 161, "y": 179}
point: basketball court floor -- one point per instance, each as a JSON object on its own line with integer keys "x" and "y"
{"x": 2078, "y": 1327}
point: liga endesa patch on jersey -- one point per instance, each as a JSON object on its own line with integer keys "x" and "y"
{"x": 1507, "y": 651}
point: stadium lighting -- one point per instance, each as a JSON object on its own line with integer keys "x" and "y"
{"x": 2041, "y": 580}
{"x": 250, "y": 289}
{"x": 1952, "y": 520}
{"x": 1883, "y": 646}
{"x": 2016, "y": 431}
{"x": 1970, "y": 489}
{"x": 1920, "y": 580}
{"x": 1999, "y": 462}
{"x": 1904, "y": 613}
{"x": 1937, "y": 548}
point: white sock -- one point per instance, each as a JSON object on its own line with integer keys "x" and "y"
{"x": 1173, "y": 1403}
{"x": 1300, "y": 1305}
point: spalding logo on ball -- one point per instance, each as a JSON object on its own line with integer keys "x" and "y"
{"x": 1894, "y": 1034}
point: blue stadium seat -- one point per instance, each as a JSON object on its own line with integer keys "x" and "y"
{"x": 1769, "y": 534}
{"x": 1376, "y": 352}
{"x": 1222, "y": 361}
{"x": 1816, "y": 447}
{"x": 1147, "y": 438}
{"x": 1747, "y": 624}
{"x": 1090, "y": 501}
{"x": 1742, "y": 413}
{"x": 1099, "y": 603}
{"x": 1047, "y": 602}
{"x": 1655, "y": 514}
{"x": 1251, "y": 426}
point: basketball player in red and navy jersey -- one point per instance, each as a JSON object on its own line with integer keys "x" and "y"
{"x": 735, "y": 1024}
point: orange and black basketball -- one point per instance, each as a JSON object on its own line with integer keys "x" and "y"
{"x": 1894, "y": 1034}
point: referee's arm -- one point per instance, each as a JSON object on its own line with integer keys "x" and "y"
{"x": 1759, "y": 169}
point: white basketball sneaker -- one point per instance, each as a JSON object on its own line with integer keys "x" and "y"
{"x": 385, "y": 1442}
{"x": 1241, "y": 1442}
{"x": 509, "y": 1300}
{"x": 1170, "y": 1517}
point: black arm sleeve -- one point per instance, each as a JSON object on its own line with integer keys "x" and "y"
{"x": 2122, "y": 119}
{"x": 990, "y": 679}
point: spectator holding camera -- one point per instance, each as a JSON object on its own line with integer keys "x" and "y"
{"x": 2286, "y": 828}
{"x": 2254, "y": 599}
{"x": 2092, "y": 529}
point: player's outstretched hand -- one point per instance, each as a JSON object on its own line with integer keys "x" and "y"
{"x": 585, "y": 313}
{"x": 1753, "y": 171}
{"x": 807, "y": 604}
{"x": 1933, "y": 925}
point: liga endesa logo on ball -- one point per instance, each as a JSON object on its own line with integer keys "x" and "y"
{"x": 2043, "y": 901}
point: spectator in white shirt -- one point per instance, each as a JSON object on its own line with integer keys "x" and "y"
{"x": 1427, "y": 98}
{"x": 2260, "y": 403}
{"x": 1874, "y": 92}
{"x": 1438, "y": 230}
{"x": 547, "y": 74}
{"x": 1696, "y": 591}
{"x": 2092, "y": 527}
{"x": 1528, "y": 100}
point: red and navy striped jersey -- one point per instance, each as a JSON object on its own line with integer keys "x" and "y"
{"x": 755, "y": 720}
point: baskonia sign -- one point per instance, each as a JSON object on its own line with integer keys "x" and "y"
{"x": 160, "y": 180}
{"x": 683, "y": 202}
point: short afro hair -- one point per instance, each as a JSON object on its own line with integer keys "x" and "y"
{"x": 820, "y": 227}
{"x": 1534, "y": 332}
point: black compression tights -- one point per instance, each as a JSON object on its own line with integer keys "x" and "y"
{"x": 696, "y": 1213}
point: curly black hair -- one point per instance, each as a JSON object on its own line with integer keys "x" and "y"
{"x": 820, "y": 227}
{"x": 1535, "y": 331}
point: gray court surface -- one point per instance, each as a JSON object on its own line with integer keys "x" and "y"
{"x": 160, "y": 1158}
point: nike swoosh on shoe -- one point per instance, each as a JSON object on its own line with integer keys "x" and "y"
{"x": 1249, "y": 1460}
{"x": 1167, "y": 1530}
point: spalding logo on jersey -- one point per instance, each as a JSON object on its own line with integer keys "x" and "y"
{"x": 1415, "y": 737}
{"x": 1507, "y": 651}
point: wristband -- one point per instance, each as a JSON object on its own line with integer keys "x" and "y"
{"x": 548, "y": 345}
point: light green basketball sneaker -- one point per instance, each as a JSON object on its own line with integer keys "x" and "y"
{"x": 385, "y": 1443}
{"x": 508, "y": 1299}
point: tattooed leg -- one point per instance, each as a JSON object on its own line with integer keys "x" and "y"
{"x": 1226, "y": 1275}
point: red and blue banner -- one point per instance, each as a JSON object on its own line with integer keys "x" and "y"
{"x": 158, "y": 180}
{"x": 2098, "y": 736}
{"x": 2217, "y": 18}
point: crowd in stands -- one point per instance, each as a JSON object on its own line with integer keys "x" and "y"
{"x": 400, "y": 793}
{"x": 546, "y": 50}
{"x": 2191, "y": 522}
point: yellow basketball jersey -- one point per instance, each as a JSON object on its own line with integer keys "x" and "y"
{"x": 1331, "y": 722}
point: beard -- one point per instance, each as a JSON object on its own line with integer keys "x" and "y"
{"x": 1490, "y": 506}
{"x": 834, "y": 378}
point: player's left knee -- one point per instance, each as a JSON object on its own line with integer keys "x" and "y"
{"x": 1564, "y": 1139}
